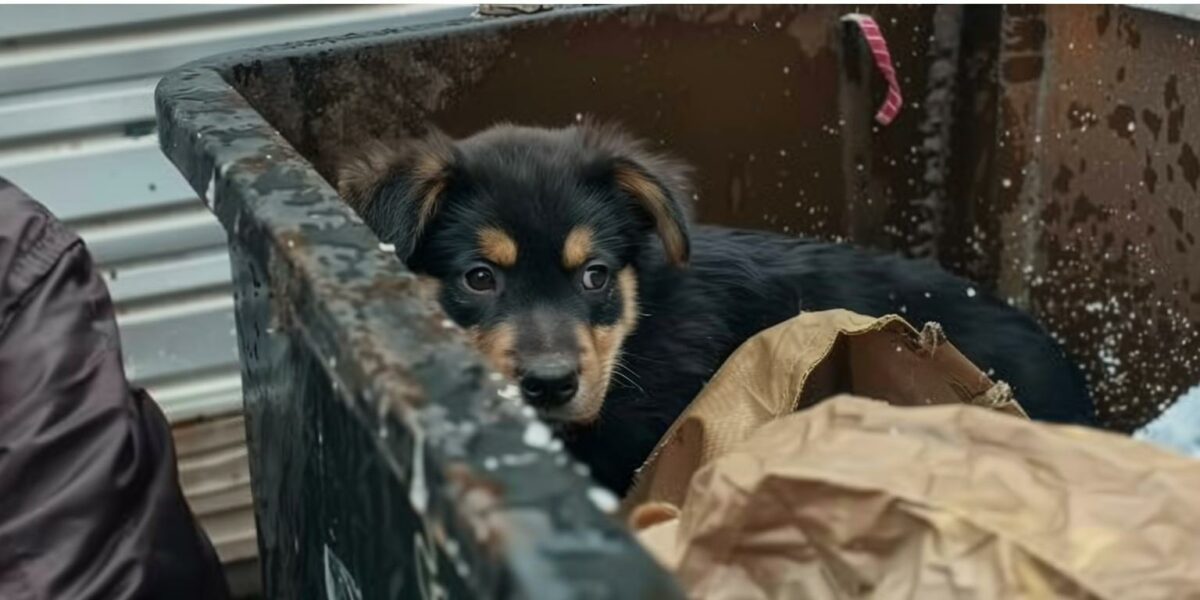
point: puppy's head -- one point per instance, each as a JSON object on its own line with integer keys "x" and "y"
{"x": 533, "y": 234}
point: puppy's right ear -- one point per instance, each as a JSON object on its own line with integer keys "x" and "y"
{"x": 398, "y": 189}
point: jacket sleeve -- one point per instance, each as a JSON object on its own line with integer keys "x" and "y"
{"x": 90, "y": 503}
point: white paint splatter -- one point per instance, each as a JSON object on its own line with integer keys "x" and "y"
{"x": 210, "y": 192}
{"x": 418, "y": 492}
{"x": 603, "y": 499}
{"x": 510, "y": 392}
{"x": 537, "y": 435}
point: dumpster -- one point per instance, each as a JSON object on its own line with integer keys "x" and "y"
{"x": 1043, "y": 152}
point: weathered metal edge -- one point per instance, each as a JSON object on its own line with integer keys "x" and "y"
{"x": 255, "y": 181}
{"x": 224, "y": 62}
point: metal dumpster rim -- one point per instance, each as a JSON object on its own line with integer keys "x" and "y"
{"x": 245, "y": 172}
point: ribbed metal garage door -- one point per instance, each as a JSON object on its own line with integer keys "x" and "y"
{"x": 77, "y": 133}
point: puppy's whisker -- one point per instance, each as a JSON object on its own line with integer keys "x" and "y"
{"x": 646, "y": 359}
{"x": 624, "y": 378}
{"x": 628, "y": 376}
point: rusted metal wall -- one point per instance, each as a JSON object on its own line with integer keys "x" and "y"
{"x": 1087, "y": 209}
{"x": 1044, "y": 152}
{"x": 747, "y": 94}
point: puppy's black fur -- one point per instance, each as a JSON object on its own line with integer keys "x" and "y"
{"x": 503, "y": 211}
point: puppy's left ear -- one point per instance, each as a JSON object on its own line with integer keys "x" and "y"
{"x": 398, "y": 188}
{"x": 658, "y": 184}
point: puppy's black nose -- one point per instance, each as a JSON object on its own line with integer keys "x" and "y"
{"x": 550, "y": 383}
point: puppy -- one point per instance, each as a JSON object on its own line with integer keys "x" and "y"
{"x": 569, "y": 256}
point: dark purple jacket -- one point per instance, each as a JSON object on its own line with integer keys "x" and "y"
{"x": 90, "y": 503}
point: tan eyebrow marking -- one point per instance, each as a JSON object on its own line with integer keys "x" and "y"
{"x": 497, "y": 247}
{"x": 578, "y": 248}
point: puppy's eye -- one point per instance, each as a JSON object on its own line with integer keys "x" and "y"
{"x": 480, "y": 279}
{"x": 595, "y": 277}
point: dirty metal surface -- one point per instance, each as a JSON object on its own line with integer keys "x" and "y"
{"x": 386, "y": 460}
{"x": 747, "y": 94}
{"x": 1091, "y": 212}
{"x": 1070, "y": 187}
{"x": 1012, "y": 162}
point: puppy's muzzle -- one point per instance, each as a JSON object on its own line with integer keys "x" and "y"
{"x": 549, "y": 382}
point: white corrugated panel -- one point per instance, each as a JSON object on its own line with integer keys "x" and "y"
{"x": 76, "y": 133}
{"x": 76, "y": 114}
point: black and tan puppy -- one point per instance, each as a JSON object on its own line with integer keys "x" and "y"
{"x": 569, "y": 256}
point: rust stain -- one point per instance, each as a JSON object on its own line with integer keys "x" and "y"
{"x": 1189, "y": 164}
{"x": 1153, "y": 122}
{"x": 1062, "y": 180}
{"x": 1083, "y": 211}
{"x": 1127, "y": 30}
{"x": 1176, "y": 216}
{"x": 1023, "y": 68}
{"x": 1123, "y": 121}
{"x": 1149, "y": 175}
{"x": 1103, "y": 20}
{"x": 1175, "y": 109}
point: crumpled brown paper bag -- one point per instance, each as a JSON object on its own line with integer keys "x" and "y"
{"x": 855, "y": 498}
{"x": 812, "y": 356}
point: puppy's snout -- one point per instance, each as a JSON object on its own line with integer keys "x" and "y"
{"x": 549, "y": 383}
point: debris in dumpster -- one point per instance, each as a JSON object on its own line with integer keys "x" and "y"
{"x": 748, "y": 496}
{"x": 798, "y": 362}
{"x": 856, "y": 498}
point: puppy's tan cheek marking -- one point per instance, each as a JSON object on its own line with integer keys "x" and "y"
{"x": 604, "y": 343}
{"x": 577, "y": 248}
{"x": 591, "y": 374}
{"x": 497, "y": 247}
{"x": 496, "y": 344}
